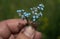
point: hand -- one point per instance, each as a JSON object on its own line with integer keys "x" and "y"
{"x": 10, "y": 29}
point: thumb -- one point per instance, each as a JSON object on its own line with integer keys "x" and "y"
{"x": 26, "y": 33}
{"x": 29, "y": 31}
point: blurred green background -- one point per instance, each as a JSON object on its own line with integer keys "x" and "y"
{"x": 50, "y": 22}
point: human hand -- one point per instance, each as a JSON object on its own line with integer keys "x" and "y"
{"x": 10, "y": 29}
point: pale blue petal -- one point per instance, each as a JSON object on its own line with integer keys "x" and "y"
{"x": 34, "y": 16}
{"x": 37, "y": 16}
{"x": 41, "y": 5}
{"x": 24, "y": 13}
{"x": 38, "y": 7}
{"x": 42, "y": 8}
{"x": 31, "y": 9}
{"x": 18, "y": 11}
{"x": 27, "y": 15}
{"x": 40, "y": 14}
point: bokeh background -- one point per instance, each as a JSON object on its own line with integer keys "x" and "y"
{"x": 50, "y": 22}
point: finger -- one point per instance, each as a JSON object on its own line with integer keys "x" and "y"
{"x": 38, "y": 35}
{"x": 16, "y": 24}
{"x": 8, "y": 26}
{"x": 1, "y": 37}
{"x": 15, "y": 35}
{"x": 4, "y": 31}
{"x": 22, "y": 36}
{"x": 26, "y": 33}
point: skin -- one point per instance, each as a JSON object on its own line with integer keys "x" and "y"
{"x": 11, "y": 29}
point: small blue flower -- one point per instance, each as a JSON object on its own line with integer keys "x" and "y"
{"x": 35, "y": 13}
{"x": 18, "y": 11}
{"x": 34, "y": 16}
{"x": 31, "y": 9}
{"x": 37, "y": 16}
{"x": 38, "y": 7}
{"x": 24, "y": 13}
{"x": 42, "y": 8}
{"x": 29, "y": 13}
{"x": 41, "y": 5}
{"x": 40, "y": 14}
{"x": 34, "y": 19}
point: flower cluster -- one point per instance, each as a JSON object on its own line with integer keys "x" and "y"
{"x": 36, "y": 12}
{"x": 23, "y": 14}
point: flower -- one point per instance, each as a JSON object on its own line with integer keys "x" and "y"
{"x": 42, "y": 8}
{"x": 27, "y": 15}
{"x": 35, "y": 13}
{"x": 18, "y": 11}
{"x": 34, "y": 16}
{"x": 31, "y": 9}
{"x": 24, "y": 13}
{"x": 37, "y": 16}
{"x": 41, "y": 5}
{"x": 40, "y": 14}
{"x": 38, "y": 7}
{"x": 34, "y": 19}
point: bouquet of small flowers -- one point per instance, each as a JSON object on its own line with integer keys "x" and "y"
{"x": 36, "y": 13}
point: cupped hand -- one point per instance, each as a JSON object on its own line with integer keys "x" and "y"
{"x": 11, "y": 29}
